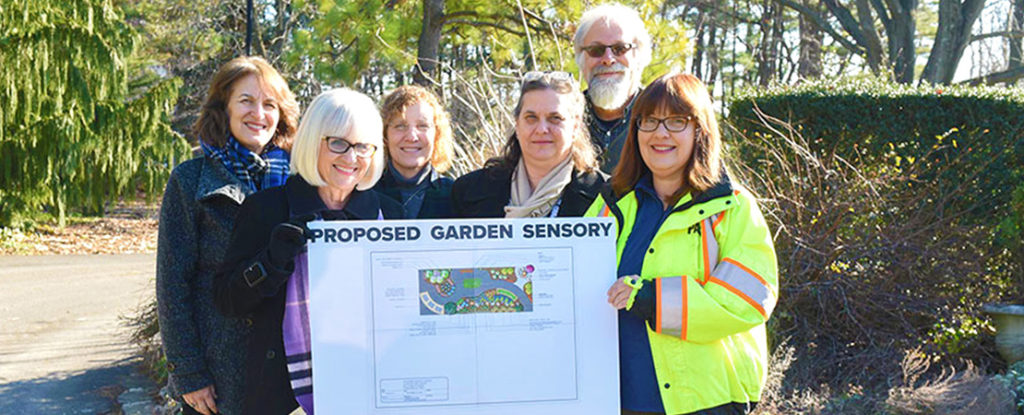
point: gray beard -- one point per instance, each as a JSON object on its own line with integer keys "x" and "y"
{"x": 609, "y": 94}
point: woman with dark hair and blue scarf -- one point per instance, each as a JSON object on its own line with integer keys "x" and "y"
{"x": 245, "y": 130}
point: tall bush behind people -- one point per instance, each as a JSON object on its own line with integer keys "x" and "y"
{"x": 885, "y": 228}
{"x": 79, "y": 126}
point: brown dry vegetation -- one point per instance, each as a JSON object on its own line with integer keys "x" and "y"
{"x": 127, "y": 228}
{"x": 874, "y": 267}
{"x": 954, "y": 392}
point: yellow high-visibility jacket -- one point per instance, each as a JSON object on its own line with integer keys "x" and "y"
{"x": 712, "y": 264}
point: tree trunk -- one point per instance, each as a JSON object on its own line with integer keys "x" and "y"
{"x": 698, "y": 49}
{"x": 429, "y": 45}
{"x": 811, "y": 36}
{"x": 872, "y": 41}
{"x": 901, "y": 29}
{"x": 768, "y": 49}
{"x": 956, "y": 19}
{"x": 283, "y": 13}
{"x": 714, "y": 62}
{"x": 1015, "y": 25}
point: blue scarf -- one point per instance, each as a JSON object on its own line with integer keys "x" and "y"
{"x": 255, "y": 171}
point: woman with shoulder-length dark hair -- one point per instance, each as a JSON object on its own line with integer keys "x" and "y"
{"x": 548, "y": 166}
{"x": 338, "y": 157}
{"x": 245, "y": 129}
{"x": 418, "y": 139}
{"x": 697, "y": 270}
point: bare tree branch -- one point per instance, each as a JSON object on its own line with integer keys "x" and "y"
{"x": 997, "y": 77}
{"x": 1003, "y": 33}
{"x": 475, "y": 23}
{"x": 820, "y": 22}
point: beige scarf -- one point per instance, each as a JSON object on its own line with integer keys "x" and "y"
{"x": 535, "y": 203}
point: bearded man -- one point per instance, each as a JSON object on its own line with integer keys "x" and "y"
{"x": 612, "y": 49}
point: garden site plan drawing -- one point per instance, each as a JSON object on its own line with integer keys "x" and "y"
{"x": 480, "y": 312}
{"x": 463, "y": 327}
{"x": 476, "y": 290}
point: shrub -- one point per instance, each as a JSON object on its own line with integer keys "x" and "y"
{"x": 1013, "y": 380}
{"x": 884, "y": 233}
{"x": 871, "y": 122}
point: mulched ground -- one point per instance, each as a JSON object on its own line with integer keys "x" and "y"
{"x": 127, "y": 228}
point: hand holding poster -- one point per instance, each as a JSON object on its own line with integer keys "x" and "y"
{"x": 464, "y": 317}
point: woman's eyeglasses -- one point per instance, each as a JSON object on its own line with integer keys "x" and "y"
{"x": 339, "y": 145}
{"x": 597, "y": 51}
{"x": 547, "y": 76}
{"x": 672, "y": 124}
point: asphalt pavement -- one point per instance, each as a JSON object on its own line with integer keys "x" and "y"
{"x": 63, "y": 344}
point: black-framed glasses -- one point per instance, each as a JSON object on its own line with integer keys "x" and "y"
{"x": 672, "y": 124}
{"x": 619, "y": 49}
{"x": 340, "y": 145}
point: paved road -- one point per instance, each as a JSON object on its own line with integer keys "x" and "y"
{"x": 63, "y": 348}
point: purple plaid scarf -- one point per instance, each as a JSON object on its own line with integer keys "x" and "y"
{"x": 297, "y": 344}
{"x": 255, "y": 171}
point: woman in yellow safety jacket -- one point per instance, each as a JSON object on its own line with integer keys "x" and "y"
{"x": 696, "y": 265}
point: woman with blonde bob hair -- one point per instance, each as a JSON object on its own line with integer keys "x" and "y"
{"x": 418, "y": 137}
{"x": 697, "y": 270}
{"x": 337, "y": 156}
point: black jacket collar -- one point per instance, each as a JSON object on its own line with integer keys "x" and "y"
{"x": 578, "y": 194}
{"x": 304, "y": 199}
{"x": 720, "y": 189}
{"x": 215, "y": 180}
{"x": 388, "y": 179}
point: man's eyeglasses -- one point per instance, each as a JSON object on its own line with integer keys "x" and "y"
{"x": 619, "y": 49}
{"x": 339, "y": 145}
{"x": 672, "y": 124}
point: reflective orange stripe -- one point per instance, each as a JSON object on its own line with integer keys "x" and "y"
{"x": 746, "y": 284}
{"x": 748, "y": 270}
{"x": 607, "y": 211}
{"x": 682, "y": 330}
{"x": 704, "y": 251}
{"x": 709, "y": 248}
{"x": 741, "y": 295}
{"x": 657, "y": 309}
{"x": 670, "y": 313}
{"x": 721, "y": 216}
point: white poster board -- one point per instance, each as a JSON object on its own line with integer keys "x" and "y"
{"x": 464, "y": 317}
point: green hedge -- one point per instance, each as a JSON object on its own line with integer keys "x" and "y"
{"x": 871, "y": 122}
{"x": 898, "y": 212}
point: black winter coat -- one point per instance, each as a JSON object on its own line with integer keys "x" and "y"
{"x": 267, "y": 387}
{"x": 437, "y": 202}
{"x": 484, "y": 193}
{"x": 203, "y": 347}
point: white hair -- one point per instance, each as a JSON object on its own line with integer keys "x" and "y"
{"x": 339, "y": 112}
{"x": 632, "y": 25}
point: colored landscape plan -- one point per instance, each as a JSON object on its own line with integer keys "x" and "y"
{"x": 476, "y": 290}
{"x": 498, "y": 326}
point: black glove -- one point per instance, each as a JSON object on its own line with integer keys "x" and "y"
{"x": 644, "y": 303}
{"x": 287, "y": 240}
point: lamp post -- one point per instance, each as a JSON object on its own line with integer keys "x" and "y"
{"x": 248, "y": 27}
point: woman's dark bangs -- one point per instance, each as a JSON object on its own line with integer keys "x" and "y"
{"x": 661, "y": 95}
